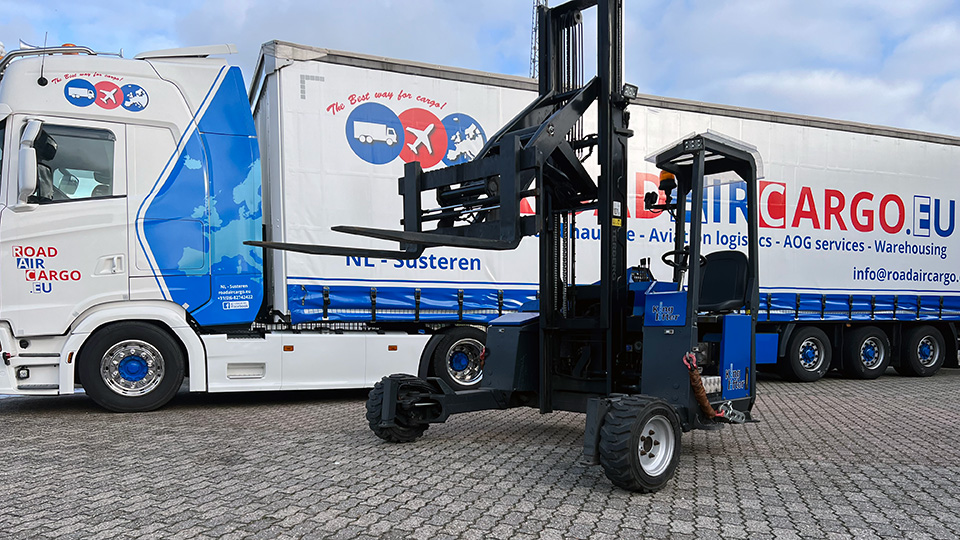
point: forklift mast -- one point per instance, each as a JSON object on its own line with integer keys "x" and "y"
{"x": 537, "y": 154}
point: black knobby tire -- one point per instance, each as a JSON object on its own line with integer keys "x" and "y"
{"x": 131, "y": 367}
{"x": 457, "y": 358}
{"x": 809, "y": 354}
{"x": 634, "y": 429}
{"x": 866, "y": 352}
{"x": 922, "y": 352}
{"x": 407, "y": 428}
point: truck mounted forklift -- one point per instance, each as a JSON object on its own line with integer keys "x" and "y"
{"x": 644, "y": 359}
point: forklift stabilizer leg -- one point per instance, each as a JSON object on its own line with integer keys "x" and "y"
{"x": 388, "y": 414}
{"x": 597, "y": 409}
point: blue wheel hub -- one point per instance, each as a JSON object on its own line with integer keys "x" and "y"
{"x": 459, "y": 361}
{"x": 809, "y": 353}
{"x": 926, "y": 351}
{"x": 133, "y": 368}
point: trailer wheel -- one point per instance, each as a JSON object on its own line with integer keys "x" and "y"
{"x": 131, "y": 367}
{"x": 407, "y": 428}
{"x": 809, "y": 354}
{"x": 457, "y": 358}
{"x": 921, "y": 352}
{"x": 866, "y": 352}
{"x": 640, "y": 443}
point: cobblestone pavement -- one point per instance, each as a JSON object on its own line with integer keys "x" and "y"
{"x": 833, "y": 459}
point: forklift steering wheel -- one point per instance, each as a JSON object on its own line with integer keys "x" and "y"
{"x": 680, "y": 258}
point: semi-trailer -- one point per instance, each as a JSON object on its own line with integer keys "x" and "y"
{"x": 130, "y": 184}
{"x": 858, "y": 220}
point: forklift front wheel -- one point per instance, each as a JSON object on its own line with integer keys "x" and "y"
{"x": 640, "y": 443}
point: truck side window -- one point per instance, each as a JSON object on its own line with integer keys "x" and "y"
{"x": 73, "y": 163}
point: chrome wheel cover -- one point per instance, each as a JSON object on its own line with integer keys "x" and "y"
{"x": 463, "y": 361}
{"x": 928, "y": 351}
{"x": 132, "y": 368}
{"x": 811, "y": 354}
{"x": 872, "y": 352}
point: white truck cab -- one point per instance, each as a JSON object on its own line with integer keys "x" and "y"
{"x": 129, "y": 187}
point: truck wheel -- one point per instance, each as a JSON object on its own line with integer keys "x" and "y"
{"x": 809, "y": 354}
{"x": 866, "y": 352}
{"x": 640, "y": 443}
{"x": 131, "y": 367}
{"x": 922, "y": 352}
{"x": 407, "y": 428}
{"x": 457, "y": 358}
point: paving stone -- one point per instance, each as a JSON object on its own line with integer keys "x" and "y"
{"x": 833, "y": 459}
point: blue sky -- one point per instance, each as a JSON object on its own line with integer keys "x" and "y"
{"x": 883, "y": 62}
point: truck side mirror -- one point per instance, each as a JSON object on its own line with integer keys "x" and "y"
{"x": 27, "y": 160}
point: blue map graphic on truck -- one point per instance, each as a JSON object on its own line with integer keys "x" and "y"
{"x": 465, "y": 138}
{"x": 203, "y": 211}
{"x": 135, "y": 98}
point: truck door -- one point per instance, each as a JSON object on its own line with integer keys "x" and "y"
{"x": 64, "y": 248}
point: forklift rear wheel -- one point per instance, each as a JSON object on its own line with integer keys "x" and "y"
{"x": 866, "y": 352}
{"x": 457, "y": 359}
{"x": 407, "y": 428}
{"x": 640, "y": 443}
{"x": 808, "y": 355}
{"x": 922, "y": 352}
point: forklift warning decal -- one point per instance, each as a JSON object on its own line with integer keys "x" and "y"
{"x": 35, "y": 262}
{"x": 106, "y": 94}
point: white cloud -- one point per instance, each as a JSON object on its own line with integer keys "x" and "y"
{"x": 875, "y": 61}
{"x": 828, "y": 93}
{"x": 431, "y": 31}
{"x": 942, "y": 111}
{"x": 871, "y": 61}
{"x": 930, "y": 52}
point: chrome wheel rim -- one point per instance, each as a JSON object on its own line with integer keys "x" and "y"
{"x": 871, "y": 352}
{"x": 657, "y": 445}
{"x": 132, "y": 368}
{"x": 811, "y": 354}
{"x": 928, "y": 351}
{"x": 463, "y": 361}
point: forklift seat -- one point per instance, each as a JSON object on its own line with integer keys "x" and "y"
{"x": 724, "y": 285}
